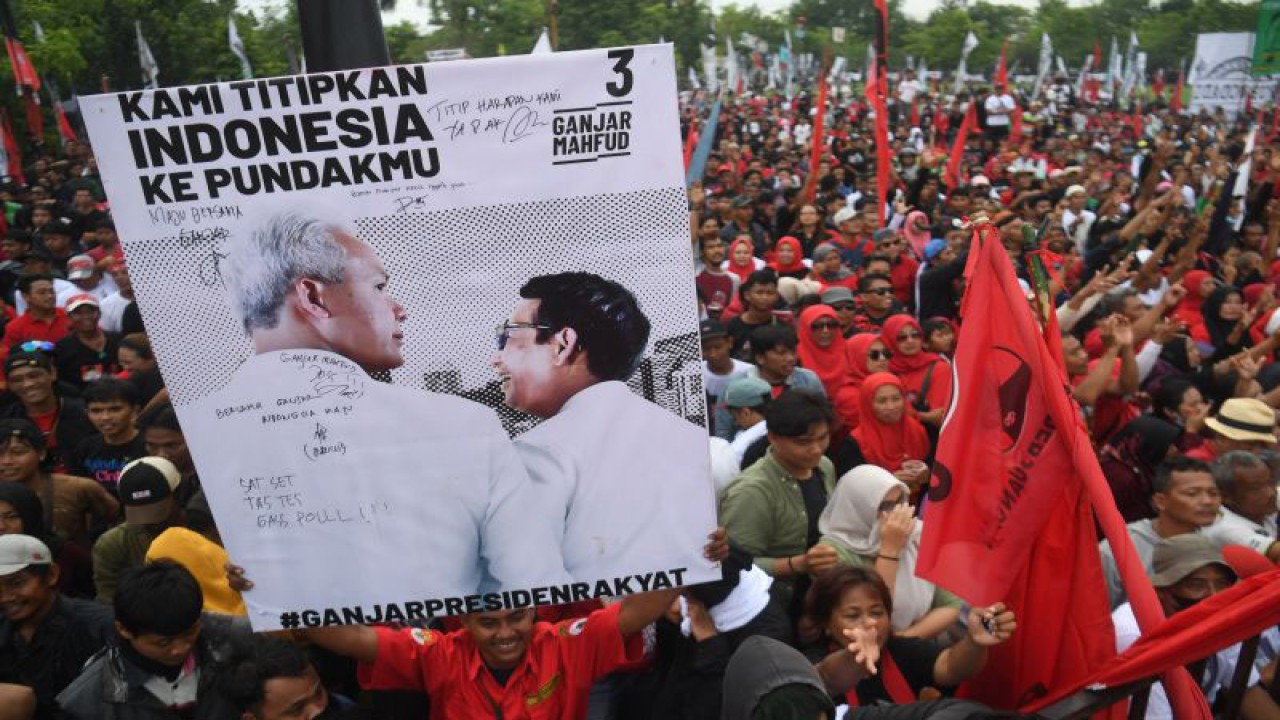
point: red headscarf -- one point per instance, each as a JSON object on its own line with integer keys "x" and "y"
{"x": 858, "y": 348}
{"x": 830, "y": 363}
{"x": 742, "y": 271}
{"x": 888, "y": 444}
{"x": 797, "y": 256}
{"x": 905, "y": 365}
{"x": 1189, "y": 310}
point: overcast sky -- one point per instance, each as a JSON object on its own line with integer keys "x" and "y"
{"x": 416, "y": 12}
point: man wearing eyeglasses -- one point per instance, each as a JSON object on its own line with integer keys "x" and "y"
{"x": 902, "y": 275}
{"x": 1186, "y": 570}
{"x": 371, "y": 466}
{"x": 629, "y": 478}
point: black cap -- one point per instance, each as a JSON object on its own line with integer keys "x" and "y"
{"x": 26, "y": 359}
{"x": 742, "y": 201}
{"x": 19, "y": 235}
{"x": 59, "y": 225}
{"x": 708, "y": 329}
{"x": 145, "y": 489}
{"x": 107, "y": 224}
{"x": 38, "y": 253}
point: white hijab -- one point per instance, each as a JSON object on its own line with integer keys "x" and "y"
{"x": 852, "y": 519}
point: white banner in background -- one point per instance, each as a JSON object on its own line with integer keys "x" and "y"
{"x": 1219, "y": 76}
{"x": 295, "y": 240}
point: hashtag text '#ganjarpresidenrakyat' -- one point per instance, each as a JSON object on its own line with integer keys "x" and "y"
{"x": 488, "y": 602}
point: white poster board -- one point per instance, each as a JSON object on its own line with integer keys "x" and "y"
{"x": 292, "y": 240}
{"x": 1220, "y": 74}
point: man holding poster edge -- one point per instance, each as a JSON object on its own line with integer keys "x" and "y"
{"x": 314, "y": 300}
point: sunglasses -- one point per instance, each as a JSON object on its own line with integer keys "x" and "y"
{"x": 844, "y": 307}
{"x": 36, "y": 346}
{"x": 880, "y": 291}
{"x": 825, "y": 325}
{"x": 502, "y": 333}
{"x": 879, "y": 354}
{"x": 908, "y": 334}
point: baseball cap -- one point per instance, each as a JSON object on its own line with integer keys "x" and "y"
{"x": 980, "y": 180}
{"x": 710, "y": 329}
{"x": 934, "y": 247}
{"x": 27, "y": 359}
{"x": 19, "y": 552}
{"x": 747, "y": 392}
{"x": 741, "y": 201}
{"x": 844, "y": 215}
{"x": 77, "y": 301}
{"x": 837, "y": 294}
{"x": 60, "y": 225}
{"x": 1176, "y": 557}
{"x": 1076, "y": 190}
{"x": 883, "y": 234}
{"x": 80, "y": 267}
{"x": 146, "y": 490}
{"x": 107, "y": 224}
{"x": 1245, "y": 419}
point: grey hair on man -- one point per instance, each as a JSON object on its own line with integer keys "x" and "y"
{"x": 1225, "y": 466}
{"x": 261, "y": 267}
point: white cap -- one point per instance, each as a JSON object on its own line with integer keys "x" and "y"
{"x": 844, "y": 215}
{"x": 980, "y": 180}
{"x": 1076, "y": 190}
{"x": 18, "y": 552}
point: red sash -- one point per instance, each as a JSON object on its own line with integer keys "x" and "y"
{"x": 894, "y": 683}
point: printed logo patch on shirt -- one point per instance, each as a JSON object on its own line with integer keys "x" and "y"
{"x": 423, "y": 637}
{"x": 574, "y": 628}
{"x": 544, "y": 692}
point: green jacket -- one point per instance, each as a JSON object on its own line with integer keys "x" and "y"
{"x": 120, "y": 548}
{"x": 763, "y": 511}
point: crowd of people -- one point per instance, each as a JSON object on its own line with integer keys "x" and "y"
{"x": 829, "y": 316}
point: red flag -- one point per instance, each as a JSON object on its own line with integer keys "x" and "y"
{"x": 68, "y": 134}
{"x": 1136, "y": 119}
{"x": 915, "y": 112}
{"x": 1008, "y": 512}
{"x": 24, "y": 73}
{"x": 690, "y": 142}
{"x": 1002, "y": 70}
{"x": 952, "y": 176}
{"x": 1157, "y": 87}
{"x": 1248, "y": 101}
{"x": 1228, "y": 617}
{"x": 1015, "y": 131}
{"x": 1097, "y": 55}
{"x": 819, "y": 142}
{"x": 11, "y": 147}
{"x": 35, "y": 118}
{"x": 875, "y": 97}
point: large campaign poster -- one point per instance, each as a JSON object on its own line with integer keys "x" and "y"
{"x": 429, "y": 329}
{"x": 1221, "y": 76}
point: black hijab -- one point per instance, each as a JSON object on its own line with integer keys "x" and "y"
{"x": 1144, "y": 442}
{"x": 1218, "y": 328}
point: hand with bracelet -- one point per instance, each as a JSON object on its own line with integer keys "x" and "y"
{"x": 895, "y": 530}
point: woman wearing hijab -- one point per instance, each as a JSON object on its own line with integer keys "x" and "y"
{"x": 1199, "y": 284}
{"x": 888, "y": 435}
{"x": 1227, "y": 321}
{"x": 829, "y": 269}
{"x": 742, "y": 260}
{"x": 1129, "y": 461}
{"x": 788, "y": 259}
{"x": 822, "y": 350}
{"x": 870, "y": 525}
{"x": 926, "y": 376}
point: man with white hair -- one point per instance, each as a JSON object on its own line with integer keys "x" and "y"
{"x": 373, "y": 468}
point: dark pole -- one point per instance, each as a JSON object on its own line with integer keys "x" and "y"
{"x": 342, "y": 34}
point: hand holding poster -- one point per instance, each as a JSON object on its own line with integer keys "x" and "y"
{"x": 294, "y": 241}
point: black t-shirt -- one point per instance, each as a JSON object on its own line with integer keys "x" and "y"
{"x": 94, "y": 458}
{"x": 740, "y": 331}
{"x": 78, "y": 364}
{"x": 915, "y": 658}
{"x": 815, "y": 499}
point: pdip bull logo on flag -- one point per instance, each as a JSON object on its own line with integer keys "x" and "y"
{"x": 1013, "y": 376}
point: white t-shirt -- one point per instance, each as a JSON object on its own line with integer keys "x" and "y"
{"x": 1233, "y": 529}
{"x": 1218, "y": 671}
{"x": 908, "y": 89}
{"x": 994, "y": 105}
{"x": 716, "y": 384}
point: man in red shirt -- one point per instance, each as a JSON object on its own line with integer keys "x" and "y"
{"x": 891, "y": 244}
{"x": 43, "y": 320}
{"x": 504, "y": 664}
